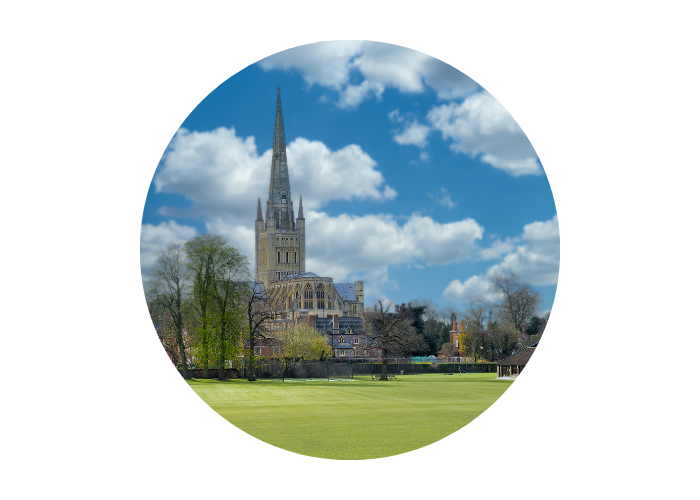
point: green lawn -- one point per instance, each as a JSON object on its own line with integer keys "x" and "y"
{"x": 353, "y": 419}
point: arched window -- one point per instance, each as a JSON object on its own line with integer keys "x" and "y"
{"x": 320, "y": 296}
{"x": 308, "y": 297}
{"x": 357, "y": 339}
{"x": 278, "y": 256}
{"x": 342, "y": 339}
{"x": 287, "y": 257}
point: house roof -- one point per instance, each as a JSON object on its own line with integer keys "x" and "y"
{"x": 520, "y": 358}
{"x": 326, "y": 325}
{"x": 343, "y": 345}
{"x": 346, "y": 290}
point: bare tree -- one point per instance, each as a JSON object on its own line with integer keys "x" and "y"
{"x": 519, "y": 300}
{"x": 390, "y": 333}
{"x": 169, "y": 289}
{"x": 259, "y": 309}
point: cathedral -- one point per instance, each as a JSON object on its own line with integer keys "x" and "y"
{"x": 280, "y": 254}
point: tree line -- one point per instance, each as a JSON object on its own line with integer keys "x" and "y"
{"x": 487, "y": 332}
{"x": 209, "y": 313}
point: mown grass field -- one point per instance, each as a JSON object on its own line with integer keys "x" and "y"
{"x": 355, "y": 419}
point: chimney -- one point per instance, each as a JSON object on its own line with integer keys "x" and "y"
{"x": 524, "y": 328}
{"x": 454, "y": 326}
{"x": 409, "y": 305}
{"x": 397, "y": 309}
{"x": 335, "y": 319}
{"x": 375, "y": 307}
{"x": 403, "y": 306}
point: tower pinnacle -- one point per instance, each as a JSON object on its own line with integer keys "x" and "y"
{"x": 259, "y": 210}
{"x": 301, "y": 209}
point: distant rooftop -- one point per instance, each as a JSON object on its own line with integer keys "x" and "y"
{"x": 301, "y": 275}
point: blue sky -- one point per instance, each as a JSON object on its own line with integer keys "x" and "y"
{"x": 414, "y": 178}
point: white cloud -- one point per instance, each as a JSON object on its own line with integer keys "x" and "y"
{"x": 340, "y": 246}
{"x": 414, "y": 133}
{"x": 322, "y": 175}
{"x": 154, "y": 238}
{"x": 475, "y": 289}
{"x": 332, "y": 64}
{"x": 223, "y": 175}
{"x": 481, "y": 127}
{"x": 535, "y": 261}
{"x": 443, "y": 198}
{"x": 395, "y": 116}
{"x": 327, "y": 64}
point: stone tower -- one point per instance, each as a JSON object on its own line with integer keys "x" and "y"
{"x": 279, "y": 237}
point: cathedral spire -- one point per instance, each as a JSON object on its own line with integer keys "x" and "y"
{"x": 279, "y": 146}
{"x": 301, "y": 209}
{"x": 259, "y": 211}
{"x": 280, "y": 193}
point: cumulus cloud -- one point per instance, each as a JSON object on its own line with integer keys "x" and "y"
{"x": 478, "y": 126}
{"x": 481, "y": 127}
{"x": 322, "y": 175}
{"x": 223, "y": 175}
{"x": 340, "y": 246}
{"x": 380, "y": 65}
{"x": 535, "y": 261}
{"x": 414, "y": 133}
{"x": 475, "y": 289}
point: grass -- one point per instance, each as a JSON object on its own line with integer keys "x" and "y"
{"x": 355, "y": 419}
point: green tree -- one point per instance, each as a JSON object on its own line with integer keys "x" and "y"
{"x": 304, "y": 342}
{"x": 203, "y": 258}
{"x": 168, "y": 290}
{"x": 427, "y": 345}
{"x": 229, "y": 284}
{"x": 444, "y": 335}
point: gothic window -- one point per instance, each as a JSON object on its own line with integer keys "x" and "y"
{"x": 278, "y": 256}
{"x": 287, "y": 256}
{"x": 308, "y": 297}
{"x": 295, "y": 257}
{"x": 341, "y": 352}
{"x": 357, "y": 339}
{"x": 342, "y": 339}
{"x": 320, "y": 295}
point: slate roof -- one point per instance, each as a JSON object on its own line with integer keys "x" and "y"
{"x": 343, "y": 345}
{"x": 346, "y": 290}
{"x": 355, "y": 325}
{"x": 520, "y": 358}
{"x": 301, "y": 275}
